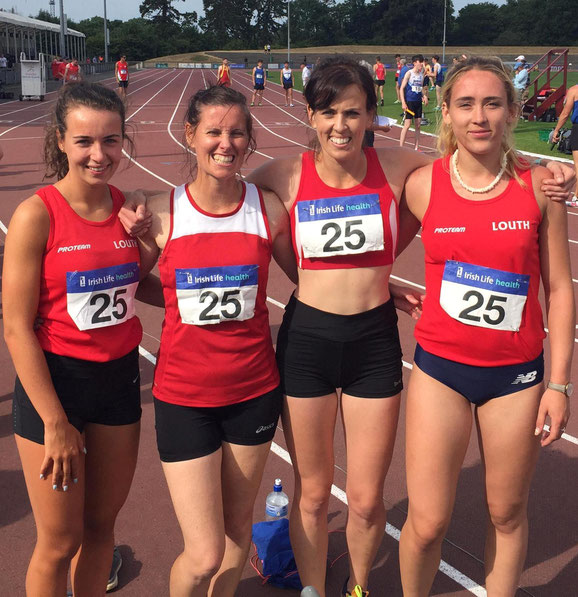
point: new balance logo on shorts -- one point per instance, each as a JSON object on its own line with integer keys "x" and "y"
{"x": 525, "y": 377}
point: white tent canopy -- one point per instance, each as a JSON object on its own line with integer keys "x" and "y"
{"x": 31, "y": 36}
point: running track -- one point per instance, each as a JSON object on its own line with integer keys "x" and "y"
{"x": 147, "y": 531}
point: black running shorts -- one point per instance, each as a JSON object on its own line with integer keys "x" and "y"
{"x": 90, "y": 392}
{"x": 319, "y": 352}
{"x": 188, "y": 432}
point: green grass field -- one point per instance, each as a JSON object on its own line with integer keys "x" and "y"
{"x": 526, "y": 133}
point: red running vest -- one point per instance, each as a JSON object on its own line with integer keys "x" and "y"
{"x": 344, "y": 228}
{"x": 216, "y": 345}
{"x": 90, "y": 273}
{"x": 482, "y": 270}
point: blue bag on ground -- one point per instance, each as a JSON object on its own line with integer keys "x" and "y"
{"x": 271, "y": 538}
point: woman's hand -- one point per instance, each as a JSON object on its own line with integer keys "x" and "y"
{"x": 562, "y": 183}
{"x": 63, "y": 449}
{"x": 133, "y": 215}
{"x": 407, "y": 299}
{"x": 556, "y": 406}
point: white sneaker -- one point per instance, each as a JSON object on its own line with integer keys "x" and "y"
{"x": 291, "y": 105}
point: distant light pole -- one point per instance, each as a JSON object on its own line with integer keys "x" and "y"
{"x": 62, "y": 31}
{"x": 105, "y": 35}
{"x": 444, "y": 39}
{"x": 288, "y": 30}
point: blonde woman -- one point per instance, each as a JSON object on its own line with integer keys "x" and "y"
{"x": 502, "y": 237}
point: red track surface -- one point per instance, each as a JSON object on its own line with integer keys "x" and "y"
{"x": 147, "y": 530}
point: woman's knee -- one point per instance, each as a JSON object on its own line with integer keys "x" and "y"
{"x": 313, "y": 499}
{"x": 428, "y": 531}
{"x": 507, "y": 517}
{"x": 202, "y": 564}
{"x": 367, "y": 506}
{"x": 58, "y": 547}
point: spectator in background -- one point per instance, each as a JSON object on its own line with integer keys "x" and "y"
{"x": 570, "y": 110}
{"x": 398, "y": 65}
{"x": 403, "y": 68}
{"x": 305, "y": 74}
{"x": 55, "y": 68}
{"x": 521, "y": 76}
{"x": 3, "y": 61}
{"x": 94, "y": 60}
{"x": 520, "y": 61}
{"x": 438, "y": 77}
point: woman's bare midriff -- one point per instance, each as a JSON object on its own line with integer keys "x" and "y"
{"x": 344, "y": 291}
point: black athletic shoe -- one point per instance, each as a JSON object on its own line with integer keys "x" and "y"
{"x": 116, "y": 564}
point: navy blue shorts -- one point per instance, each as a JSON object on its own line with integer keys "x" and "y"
{"x": 104, "y": 393}
{"x": 259, "y": 86}
{"x": 480, "y": 384}
{"x": 319, "y": 352}
{"x": 188, "y": 432}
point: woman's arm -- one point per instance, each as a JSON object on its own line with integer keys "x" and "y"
{"x": 25, "y": 245}
{"x": 280, "y": 226}
{"x": 413, "y": 205}
{"x": 560, "y": 310}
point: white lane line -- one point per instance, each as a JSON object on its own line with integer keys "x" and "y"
{"x": 131, "y": 159}
{"x": 3, "y": 228}
{"x": 45, "y": 115}
{"x": 566, "y": 436}
{"x": 39, "y": 105}
{"x": 392, "y": 531}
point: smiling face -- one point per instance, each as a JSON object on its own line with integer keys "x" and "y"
{"x": 341, "y": 126}
{"x": 92, "y": 143}
{"x": 478, "y": 112}
{"x": 220, "y": 140}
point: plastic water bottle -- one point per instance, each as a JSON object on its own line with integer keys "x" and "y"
{"x": 277, "y": 503}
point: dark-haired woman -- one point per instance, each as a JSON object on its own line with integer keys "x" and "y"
{"x": 216, "y": 385}
{"x": 77, "y": 396}
{"x": 339, "y": 330}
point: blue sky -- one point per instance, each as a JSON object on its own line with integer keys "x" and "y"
{"x": 128, "y": 9}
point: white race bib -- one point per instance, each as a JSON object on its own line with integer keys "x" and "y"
{"x": 340, "y": 225}
{"x": 102, "y": 297}
{"x": 484, "y": 297}
{"x": 211, "y": 295}
{"x": 417, "y": 88}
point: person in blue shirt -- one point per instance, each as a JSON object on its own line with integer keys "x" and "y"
{"x": 259, "y": 81}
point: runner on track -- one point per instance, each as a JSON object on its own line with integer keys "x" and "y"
{"x": 413, "y": 92}
{"x": 489, "y": 234}
{"x": 259, "y": 82}
{"x": 287, "y": 80}
{"x": 216, "y": 404}
{"x": 72, "y": 72}
{"x": 76, "y": 404}
{"x": 121, "y": 74}
{"x": 224, "y": 74}
{"x": 570, "y": 111}
{"x": 379, "y": 75}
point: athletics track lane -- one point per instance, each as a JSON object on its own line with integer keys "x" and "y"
{"x": 146, "y": 529}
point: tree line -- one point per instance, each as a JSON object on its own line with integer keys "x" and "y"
{"x": 163, "y": 29}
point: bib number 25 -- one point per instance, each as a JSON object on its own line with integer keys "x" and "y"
{"x": 108, "y": 307}
{"x": 492, "y": 312}
{"x": 219, "y": 307}
{"x": 349, "y": 232}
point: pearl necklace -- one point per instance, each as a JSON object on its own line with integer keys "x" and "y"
{"x": 485, "y": 189}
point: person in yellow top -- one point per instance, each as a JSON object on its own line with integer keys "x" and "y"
{"x": 224, "y": 74}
